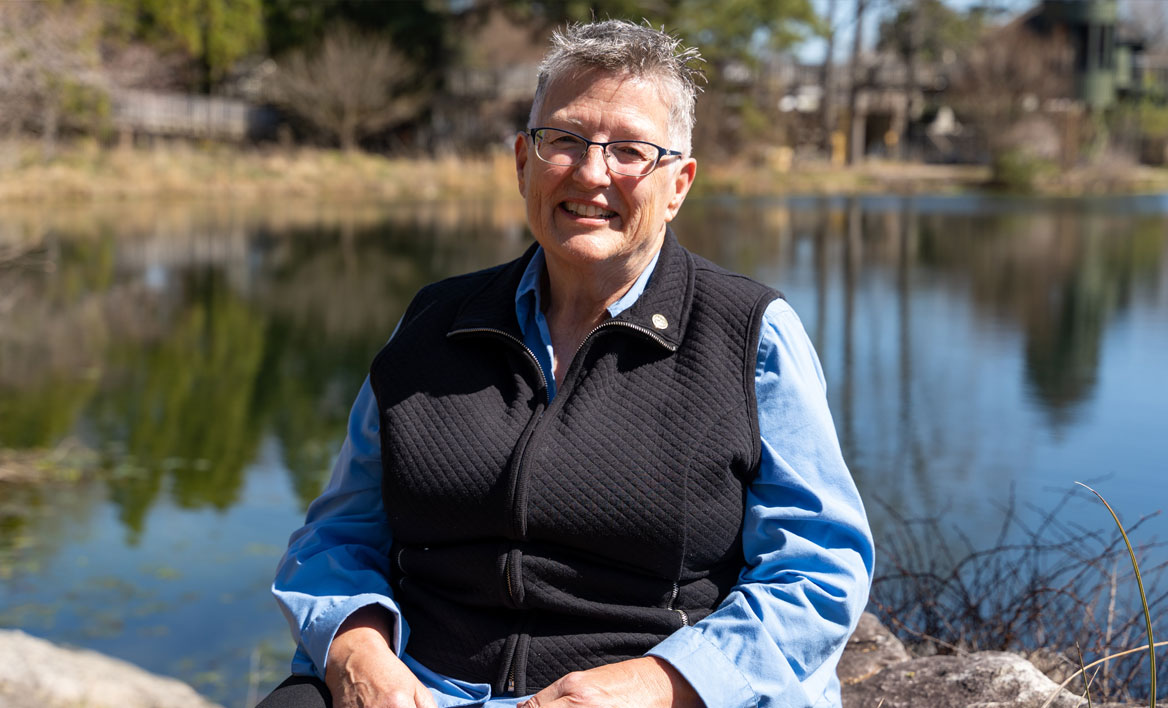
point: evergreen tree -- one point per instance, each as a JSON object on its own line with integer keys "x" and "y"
{"x": 215, "y": 34}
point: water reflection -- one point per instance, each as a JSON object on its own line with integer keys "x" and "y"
{"x": 1058, "y": 271}
{"x": 173, "y": 351}
{"x": 973, "y": 345}
{"x": 181, "y": 353}
{"x": 174, "y": 344}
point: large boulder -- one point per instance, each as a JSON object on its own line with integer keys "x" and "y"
{"x": 35, "y": 673}
{"x": 870, "y": 650}
{"x": 983, "y": 680}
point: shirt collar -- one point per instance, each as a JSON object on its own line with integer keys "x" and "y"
{"x": 661, "y": 311}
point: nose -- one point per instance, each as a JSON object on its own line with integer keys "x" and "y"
{"x": 593, "y": 167}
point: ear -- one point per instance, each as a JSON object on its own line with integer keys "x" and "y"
{"x": 682, "y": 181}
{"x": 521, "y": 162}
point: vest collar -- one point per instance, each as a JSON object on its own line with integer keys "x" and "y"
{"x": 661, "y": 312}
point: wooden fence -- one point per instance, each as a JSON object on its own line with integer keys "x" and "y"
{"x": 192, "y": 116}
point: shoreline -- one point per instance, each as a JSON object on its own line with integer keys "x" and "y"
{"x": 85, "y": 172}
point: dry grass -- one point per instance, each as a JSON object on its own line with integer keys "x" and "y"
{"x": 753, "y": 179}
{"x": 86, "y": 171}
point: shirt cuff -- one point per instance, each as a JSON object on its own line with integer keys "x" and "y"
{"x": 318, "y": 636}
{"x": 715, "y": 678}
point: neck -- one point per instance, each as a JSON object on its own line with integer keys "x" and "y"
{"x": 578, "y": 297}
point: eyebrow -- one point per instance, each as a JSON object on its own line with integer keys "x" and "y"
{"x": 578, "y": 127}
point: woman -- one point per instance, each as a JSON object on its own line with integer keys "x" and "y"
{"x": 603, "y": 474}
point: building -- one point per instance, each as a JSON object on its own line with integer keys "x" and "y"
{"x": 1106, "y": 54}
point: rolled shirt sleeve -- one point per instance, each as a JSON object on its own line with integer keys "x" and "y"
{"x": 776, "y": 639}
{"x": 338, "y": 561}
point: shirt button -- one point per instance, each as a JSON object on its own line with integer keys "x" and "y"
{"x": 660, "y": 322}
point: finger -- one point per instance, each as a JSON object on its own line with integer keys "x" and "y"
{"x": 393, "y": 699}
{"x": 543, "y": 698}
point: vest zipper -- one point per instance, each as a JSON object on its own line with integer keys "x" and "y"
{"x": 621, "y": 323}
{"x": 507, "y": 579}
{"x": 510, "y": 688}
{"x": 518, "y": 501}
{"x": 680, "y": 612}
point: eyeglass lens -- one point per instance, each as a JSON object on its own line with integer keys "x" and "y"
{"x": 628, "y": 157}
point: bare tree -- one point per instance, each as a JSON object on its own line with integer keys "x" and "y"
{"x": 1151, "y": 17}
{"x": 827, "y": 80}
{"x": 1009, "y": 77}
{"x": 50, "y": 64}
{"x": 350, "y": 86}
{"x": 855, "y": 135}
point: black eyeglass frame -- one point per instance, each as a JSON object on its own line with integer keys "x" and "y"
{"x": 661, "y": 152}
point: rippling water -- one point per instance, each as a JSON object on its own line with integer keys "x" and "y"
{"x": 201, "y": 358}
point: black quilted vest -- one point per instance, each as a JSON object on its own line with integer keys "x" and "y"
{"x": 531, "y": 539}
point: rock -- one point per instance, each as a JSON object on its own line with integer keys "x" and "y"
{"x": 1057, "y": 666}
{"x": 984, "y": 680}
{"x": 871, "y": 649}
{"x": 35, "y": 673}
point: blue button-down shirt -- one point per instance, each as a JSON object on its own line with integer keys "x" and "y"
{"x": 776, "y": 638}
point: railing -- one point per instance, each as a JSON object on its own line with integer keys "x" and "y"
{"x": 192, "y": 116}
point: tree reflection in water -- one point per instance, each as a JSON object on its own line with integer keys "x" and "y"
{"x": 175, "y": 354}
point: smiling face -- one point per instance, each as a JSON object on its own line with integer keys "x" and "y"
{"x": 584, "y": 215}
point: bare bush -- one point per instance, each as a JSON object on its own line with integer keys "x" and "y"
{"x": 51, "y": 73}
{"x": 349, "y": 87}
{"x": 1045, "y": 590}
{"x": 1009, "y": 77}
{"x": 137, "y": 65}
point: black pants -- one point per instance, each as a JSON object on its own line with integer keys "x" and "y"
{"x": 299, "y": 692}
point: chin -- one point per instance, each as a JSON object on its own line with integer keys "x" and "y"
{"x": 592, "y": 247}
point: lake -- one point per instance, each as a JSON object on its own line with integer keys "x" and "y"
{"x": 190, "y": 367}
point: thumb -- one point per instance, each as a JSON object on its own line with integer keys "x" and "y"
{"x": 543, "y": 698}
{"x": 423, "y": 698}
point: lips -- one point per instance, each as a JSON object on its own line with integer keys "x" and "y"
{"x": 588, "y": 211}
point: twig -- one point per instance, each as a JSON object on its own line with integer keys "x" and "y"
{"x": 1083, "y": 671}
{"x": 1107, "y": 658}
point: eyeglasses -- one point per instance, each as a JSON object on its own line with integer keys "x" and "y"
{"x": 634, "y": 158}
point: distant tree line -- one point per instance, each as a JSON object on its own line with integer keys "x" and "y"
{"x": 355, "y": 73}
{"x": 345, "y": 71}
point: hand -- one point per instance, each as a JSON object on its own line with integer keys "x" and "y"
{"x": 647, "y": 682}
{"x": 363, "y": 671}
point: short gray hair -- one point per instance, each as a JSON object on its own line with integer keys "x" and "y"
{"x": 619, "y": 46}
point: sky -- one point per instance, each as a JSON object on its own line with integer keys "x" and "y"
{"x": 813, "y": 50}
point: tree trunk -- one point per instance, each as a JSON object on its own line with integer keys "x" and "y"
{"x": 856, "y": 134}
{"x": 347, "y": 134}
{"x": 50, "y": 123}
{"x": 912, "y": 83}
{"x": 827, "y": 80}
{"x": 205, "y": 56}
